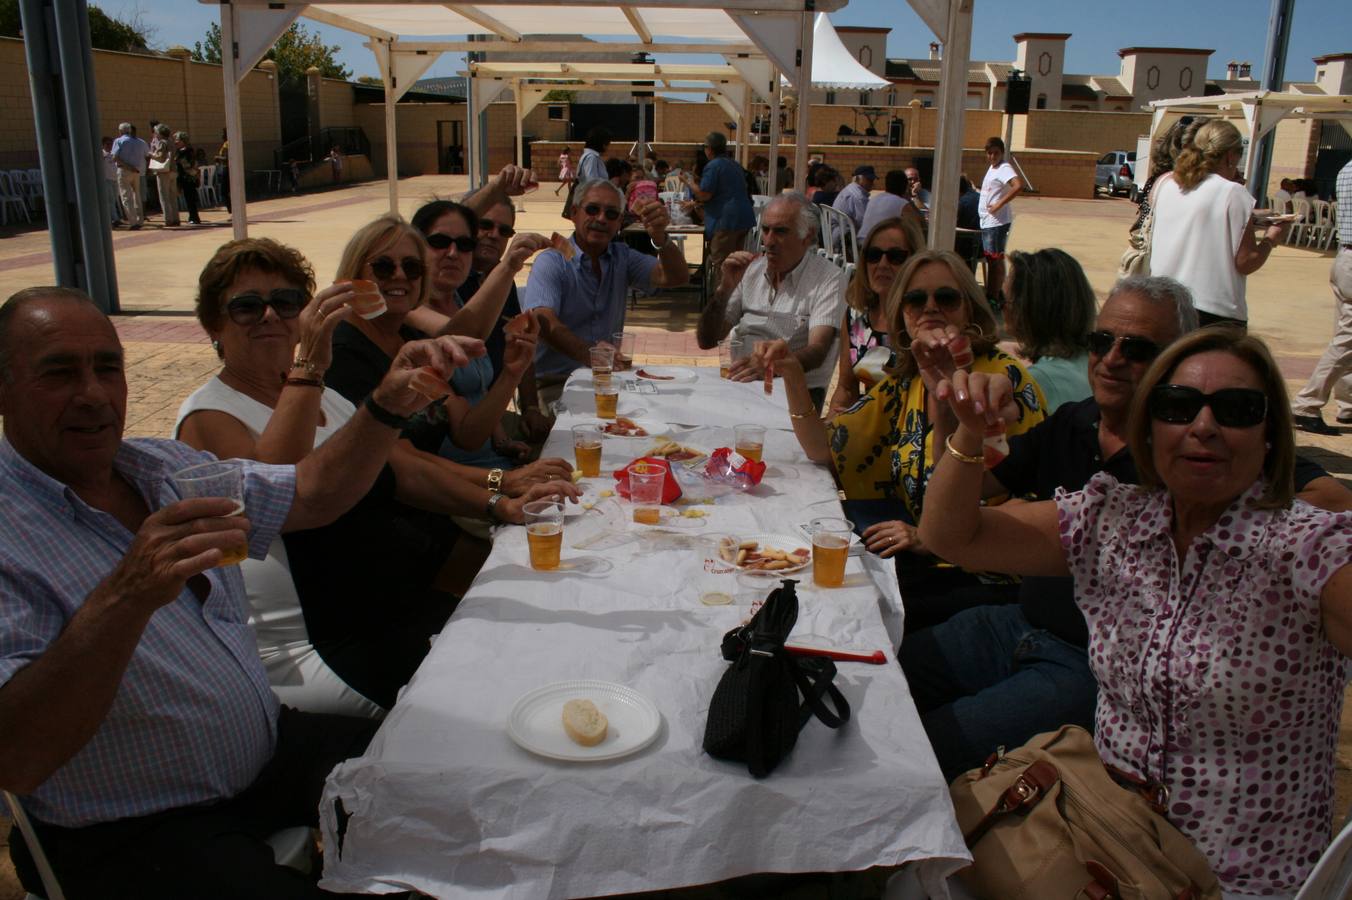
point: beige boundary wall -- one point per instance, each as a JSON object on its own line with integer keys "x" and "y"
{"x": 185, "y": 95}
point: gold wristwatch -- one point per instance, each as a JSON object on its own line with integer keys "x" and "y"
{"x": 495, "y": 480}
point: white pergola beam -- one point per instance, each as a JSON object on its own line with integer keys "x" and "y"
{"x": 792, "y": 6}
{"x": 636, "y": 22}
{"x": 527, "y": 45}
{"x": 483, "y": 19}
{"x": 325, "y": 17}
{"x": 935, "y": 15}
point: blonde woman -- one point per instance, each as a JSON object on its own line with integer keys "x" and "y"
{"x": 1203, "y": 236}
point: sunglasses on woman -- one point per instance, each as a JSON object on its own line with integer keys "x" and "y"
{"x": 595, "y": 209}
{"x": 383, "y": 267}
{"x": 946, "y": 298}
{"x": 1178, "y": 404}
{"x": 249, "y": 309}
{"x": 439, "y": 241}
{"x": 1135, "y": 349}
{"x": 895, "y": 255}
{"x": 486, "y": 226}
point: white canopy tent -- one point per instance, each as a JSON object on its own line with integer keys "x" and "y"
{"x": 1261, "y": 110}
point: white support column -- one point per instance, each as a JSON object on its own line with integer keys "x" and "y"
{"x": 391, "y": 139}
{"x": 640, "y": 151}
{"x": 234, "y": 131}
{"x": 520, "y": 127}
{"x": 804, "y": 102}
{"x": 472, "y": 132}
{"x": 774, "y": 130}
{"x": 744, "y": 144}
{"x": 952, "y": 107}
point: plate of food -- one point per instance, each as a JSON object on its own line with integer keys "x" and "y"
{"x": 1262, "y": 217}
{"x": 765, "y": 554}
{"x": 673, "y": 451}
{"x": 583, "y": 721}
{"x": 625, "y": 427}
{"x": 666, "y": 375}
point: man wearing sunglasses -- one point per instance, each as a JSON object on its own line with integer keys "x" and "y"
{"x": 786, "y": 293}
{"x": 136, "y": 719}
{"x": 997, "y": 675}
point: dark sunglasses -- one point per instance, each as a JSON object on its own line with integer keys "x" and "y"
{"x": 595, "y": 209}
{"x": 439, "y": 241}
{"x": 946, "y": 298}
{"x": 895, "y": 255}
{"x": 1179, "y": 404}
{"x": 486, "y": 226}
{"x": 383, "y": 267}
{"x": 1135, "y": 349}
{"x": 249, "y": 309}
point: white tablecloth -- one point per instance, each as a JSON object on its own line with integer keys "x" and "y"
{"x": 710, "y": 400}
{"x": 445, "y": 803}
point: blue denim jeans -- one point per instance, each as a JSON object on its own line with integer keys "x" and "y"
{"x": 986, "y": 678}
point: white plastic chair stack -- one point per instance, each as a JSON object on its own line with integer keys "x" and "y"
{"x": 1319, "y": 225}
{"x": 10, "y": 197}
{"x": 1301, "y": 207}
{"x": 1331, "y": 237}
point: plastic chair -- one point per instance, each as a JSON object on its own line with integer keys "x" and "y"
{"x": 1318, "y": 227}
{"x": 10, "y": 197}
{"x": 673, "y": 183}
{"x": 1332, "y": 875}
{"x": 206, "y": 187}
{"x": 1331, "y": 236}
{"x": 1301, "y": 207}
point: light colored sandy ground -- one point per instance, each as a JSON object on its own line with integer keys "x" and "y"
{"x": 1289, "y": 300}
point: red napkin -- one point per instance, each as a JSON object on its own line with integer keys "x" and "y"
{"x": 671, "y": 490}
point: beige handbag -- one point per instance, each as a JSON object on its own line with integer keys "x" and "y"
{"x": 1048, "y": 822}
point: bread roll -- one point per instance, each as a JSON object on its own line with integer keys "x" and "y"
{"x": 584, "y": 723}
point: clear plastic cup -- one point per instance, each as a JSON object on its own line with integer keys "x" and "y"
{"x": 729, "y": 351}
{"x": 587, "y": 450}
{"x": 624, "y": 342}
{"x": 830, "y": 549}
{"x": 749, "y": 440}
{"x": 607, "y": 400}
{"x": 544, "y": 533}
{"x": 645, "y": 492}
{"x": 602, "y": 364}
{"x": 368, "y": 302}
{"x": 219, "y": 478}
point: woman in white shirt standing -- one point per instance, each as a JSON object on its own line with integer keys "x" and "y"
{"x": 1202, "y": 234}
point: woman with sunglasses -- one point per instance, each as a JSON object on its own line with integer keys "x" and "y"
{"x": 1050, "y": 310}
{"x": 884, "y": 448}
{"x": 1219, "y": 610}
{"x": 342, "y": 613}
{"x": 863, "y": 329}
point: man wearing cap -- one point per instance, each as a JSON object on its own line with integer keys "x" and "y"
{"x": 728, "y": 214}
{"x": 853, "y": 201}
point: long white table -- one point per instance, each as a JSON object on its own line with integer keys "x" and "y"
{"x": 445, "y": 803}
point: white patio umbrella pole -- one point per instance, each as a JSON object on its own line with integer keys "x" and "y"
{"x": 952, "y": 107}
{"x": 234, "y": 131}
{"x": 804, "y": 102}
{"x": 774, "y": 131}
{"x": 391, "y": 140}
{"x": 520, "y": 132}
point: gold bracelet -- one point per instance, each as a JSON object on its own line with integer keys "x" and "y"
{"x": 806, "y": 415}
{"x": 962, "y": 457}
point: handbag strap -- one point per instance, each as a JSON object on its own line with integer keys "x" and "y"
{"x": 814, "y": 688}
{"x": 1020, "y": 797}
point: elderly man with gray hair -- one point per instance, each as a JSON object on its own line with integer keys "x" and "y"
{"x": 130, "y": 154}
{"x": 787, "y": 293}
{"x": 995, "y": 676}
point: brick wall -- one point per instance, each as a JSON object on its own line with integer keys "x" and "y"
{"x": 1090, "y": 131}
{"x": 1294, "y": 149}
{"x": 131, "y": 88}
{"x": 336, "y": 109}
{"x": 415, "y": 130}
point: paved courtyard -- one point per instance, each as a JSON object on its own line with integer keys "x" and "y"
{"x": 168, "y": 355}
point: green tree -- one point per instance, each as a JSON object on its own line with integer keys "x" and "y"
{"x": 295, "y": 51}
{"x": 105, "y": 32}
{"x": 372, "y": 80}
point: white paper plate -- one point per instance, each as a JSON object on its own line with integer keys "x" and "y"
{"x": 536, "y": 721}
{"x": 652, "y": 426}
{"x": 777, "y": 542}
{"x": 665, "y": 375}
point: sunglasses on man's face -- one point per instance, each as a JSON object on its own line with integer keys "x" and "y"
{"x": 895, "y": 255}
{"x": 1134, "y": 349}
{"x": 439, "y": 241}
{"x": 487, "y": 226}
{"x": 1179, "y": 404}
{"x": 946, "y": 298}
{"x": 383, "y": 267}
{"x": 595, "y": 209}
{"x": 249, "y": 308}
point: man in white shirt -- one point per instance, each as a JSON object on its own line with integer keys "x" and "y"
{"x": 1000, "y": 186}
{"x": 854, "y": 199}
{"x": 788, "y": 293}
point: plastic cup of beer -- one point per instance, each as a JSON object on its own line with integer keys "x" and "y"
{"x": 624, "y": 342}
{"x": 544, "y": 533}
{"x": 587, "y": 449}
{"x": 830, "y": 547}
{"x": 367, "y": 301}
{"x": 607, "y": 399}
{"x": 645, "y": 492}
{"x": 729, "y": 351}
{"x": 749, "y": 440}
{"x": 602, "y": 364}
{"x": 219, "y": 478}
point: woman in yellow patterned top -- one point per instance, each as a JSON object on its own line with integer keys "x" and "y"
{"x": 883, "y": 447}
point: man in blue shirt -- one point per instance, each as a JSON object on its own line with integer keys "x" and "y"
{"x": 581, "y": 286}
{"x": 728, "y": 213}
{"x": 131, "y": 155}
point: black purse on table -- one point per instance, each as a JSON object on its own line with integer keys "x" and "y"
{"x": 756, "y": 712}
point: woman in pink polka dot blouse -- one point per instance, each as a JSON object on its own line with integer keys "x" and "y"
{"x": 1219, "y": 609}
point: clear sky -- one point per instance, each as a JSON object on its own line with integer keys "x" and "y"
{"x": 1235, "y": 29}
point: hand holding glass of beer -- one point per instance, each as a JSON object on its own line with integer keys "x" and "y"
{"x": 218, "y": 478}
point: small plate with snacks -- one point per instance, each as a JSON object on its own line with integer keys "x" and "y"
{"x": 583, "y": 721}
{"x": 765, "y": 554}
{"x": 625, "y": 427}
{"x": 666, "y": 375}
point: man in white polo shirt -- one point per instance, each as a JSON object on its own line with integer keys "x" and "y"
{"x": 786, "y": 293}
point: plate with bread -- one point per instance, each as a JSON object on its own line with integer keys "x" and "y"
{"x": 765, "y": 554}
{"x": 584, "y": 721}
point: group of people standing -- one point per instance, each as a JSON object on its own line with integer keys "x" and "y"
{"x": 168, "y": 161}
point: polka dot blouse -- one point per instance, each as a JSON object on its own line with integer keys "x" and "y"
{"x": 1215, "y": 677}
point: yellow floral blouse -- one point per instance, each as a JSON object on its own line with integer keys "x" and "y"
{"x": 882, "y": 447}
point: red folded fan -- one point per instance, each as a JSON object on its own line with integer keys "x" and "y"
{"x": 671, "y": 490}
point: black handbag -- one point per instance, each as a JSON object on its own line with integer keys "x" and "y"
{"x": 756, "y": 712}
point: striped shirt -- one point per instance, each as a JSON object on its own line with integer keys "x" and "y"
{"x": 1343, "y": 189}
{"x": 811, "y": 295}
{"x": 194, "y": 720}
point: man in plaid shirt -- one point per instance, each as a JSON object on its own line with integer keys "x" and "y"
{"x": 136, "y": 721}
